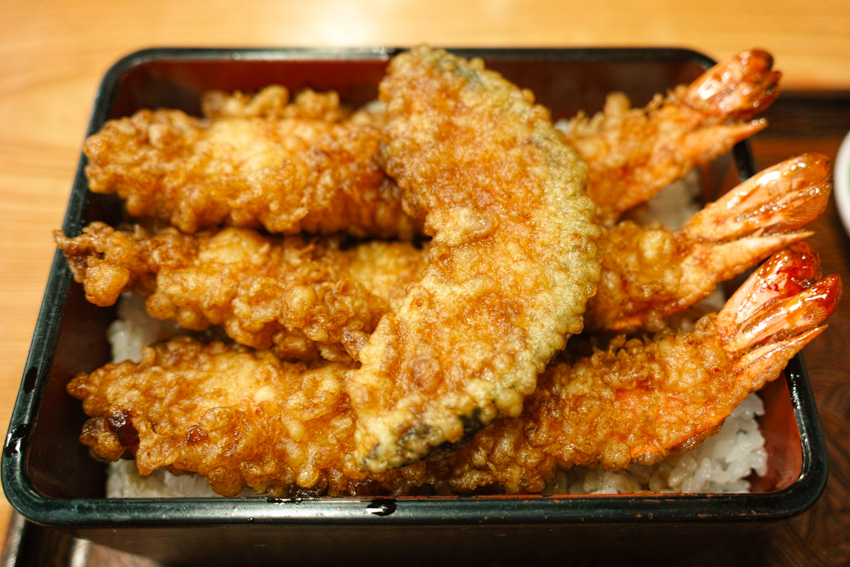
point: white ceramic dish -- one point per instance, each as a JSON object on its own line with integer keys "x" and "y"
{"x": 842, "y": 182}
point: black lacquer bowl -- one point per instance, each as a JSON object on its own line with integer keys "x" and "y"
{"x": 51, "y": 479}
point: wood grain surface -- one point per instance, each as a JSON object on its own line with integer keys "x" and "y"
{"x": 53, "y": 54}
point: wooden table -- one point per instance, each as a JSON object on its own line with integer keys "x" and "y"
{"x": 53, "y": 54}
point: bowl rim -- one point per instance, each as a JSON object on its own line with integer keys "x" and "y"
{"x": 460, "y": 510}
{"x": 841, "y": 178}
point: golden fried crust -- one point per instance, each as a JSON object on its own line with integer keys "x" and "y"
{"x": 292, "y": 294}
{"x": 247, "y": 418}
{"x": 244, "y": 418}
{"x": 511, "y": 265}
{"x": 636, "y": 400}
{"x": 634, "y": 152}
{"x": 642, "y": 269}
{"x": 272, "y": 103}
{"x": 242, "y": 168}
{"x": 232, "y": 415}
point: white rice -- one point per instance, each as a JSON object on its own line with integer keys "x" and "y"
{"x": 723, "y": 463}
{"x": 124, "y": 481}
{"x": 720, "y": 464}
{"x": 134, "y": 329}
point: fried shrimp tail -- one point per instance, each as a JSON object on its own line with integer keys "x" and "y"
{"x": 640, "y": 400}
{"x": 380, "y": 367}
{"x": 268, "y": 163}
{"x": 262, "y": 161}
{"x": 651, "y": 273}
{"x": 634, "y": 153}
{"x": 778, "y": 311}
{"x": 245, "y": 418}
{"x": 299, "y": 296}
{"x": 304, "y": 296}
{"x": 511, "y": 265}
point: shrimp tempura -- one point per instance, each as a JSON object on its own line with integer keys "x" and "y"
{"x": 244, "y": 418}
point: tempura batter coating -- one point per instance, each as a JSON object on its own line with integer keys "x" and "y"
{"x": 246, "y": 418}
{"x": 511, "y": 265}
{"x": 632, "y": 153}
{"x": 272, "y": 103}
{"x": 237, "y": 278}
{"x": 235, "y": 416}
{"x": 649, "y": 273}
{"x": 285, "y": 168}
{"x": 300, "y": 296}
